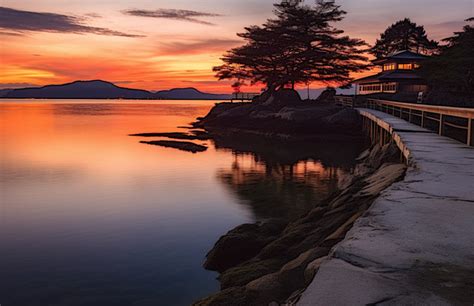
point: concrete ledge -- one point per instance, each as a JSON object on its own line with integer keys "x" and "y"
{"x": 415, "y": 245}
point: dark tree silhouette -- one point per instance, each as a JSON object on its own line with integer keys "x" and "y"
{"x": 300, "y": 45}
{"x": 404, "y": 35}
{"x": 453, "y": 69}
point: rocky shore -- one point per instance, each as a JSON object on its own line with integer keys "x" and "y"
{"x": 284, "y": 115}
{"x": 274, "y": 261}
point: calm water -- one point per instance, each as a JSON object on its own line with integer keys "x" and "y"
{"x": 89, "y": 216}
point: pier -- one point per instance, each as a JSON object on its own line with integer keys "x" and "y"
{"x": 243, "y": 96}
{"x": 414, "y": 245}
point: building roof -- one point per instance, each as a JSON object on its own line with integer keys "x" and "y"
{"x": 389, "y": 76}
{"x": 404, "y": 55}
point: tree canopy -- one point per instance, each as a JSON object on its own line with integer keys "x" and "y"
{"x": 404, "y": 35}
{"x": 453, "y": 69}
{"x": 298, "y": 46}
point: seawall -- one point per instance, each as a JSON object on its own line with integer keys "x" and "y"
{"x": 415, "y": 245}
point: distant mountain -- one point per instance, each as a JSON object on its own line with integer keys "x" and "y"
{"x": 4, "y": 92}
{"x": 98, "y": 89}
{"x": 80, "y": 90}
{"x": 188, "y": 94}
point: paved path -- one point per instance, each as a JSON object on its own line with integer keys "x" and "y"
{"x": 415, "y": 246}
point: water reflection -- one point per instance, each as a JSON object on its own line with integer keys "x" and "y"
{"x": 21, "y": 174}
{"x": 89, "y": 216}
{"x": 278, "y": 179}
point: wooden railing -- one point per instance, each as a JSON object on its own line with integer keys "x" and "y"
{"x": 453, "y": 122}
{"x": 243, "y": 96}
{"x": 347, "y": 101}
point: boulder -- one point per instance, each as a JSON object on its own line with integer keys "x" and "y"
{"x": 249, "y": 271}
{"x": 327, "y": 96}
{"x": 345, "y": 118}
{"x": 268, "y": 288}
{"x": 280, "y": 98}
{"x": 313, "y": 268}
{"x": 220, "y": 108}
{"x": 241, "y": 244}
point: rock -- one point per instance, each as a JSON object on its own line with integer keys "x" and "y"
{"x": 283, "y": 113}
{"x": 343, "y": 229}
{"x": 249, "y": 271}
{"x": 327, "y": 96}
{"x": 236, "y": 112}
{"x": 280, "y": 98}
{"x": 180, "y": 145}
{"x": 383, "y": 154}
{"x": 241, "y": 244}
{"x": 269, "y": 282}
{"x": 385, "y": 176}
{"x": 262, "y": 114}
{"x": 299, "y": 264}
{"x": 236, "y": 296}
{"x": 346, "y": 118}
{"x": 313, "y": 268}
{"x": 279, "y": 285}
{"x": 196, "y": 135}
{"x": 268, "y": 288}
{"x": 307, "y": 114}
{"x": 220, "y": 108}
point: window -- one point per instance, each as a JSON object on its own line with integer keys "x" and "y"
{"x": 416, "y": 66}
{"x": 405, "y": 66}
{"x": 389, "y": 66}
{"x": 371, "y": 88}
{"x": 389, "y": 87}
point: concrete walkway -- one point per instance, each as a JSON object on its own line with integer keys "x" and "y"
{"x": 415, "y": 245}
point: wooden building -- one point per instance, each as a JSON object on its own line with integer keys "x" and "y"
{"x": 398, "y": 75}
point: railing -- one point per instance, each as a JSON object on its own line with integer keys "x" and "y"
{"x": 344, "y": 101}
{"x": 243, "y": 96}
{"x": 453, "y": 122}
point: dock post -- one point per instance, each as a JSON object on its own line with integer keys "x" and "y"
{"x": 441, "y": 124}
{"x": 470, "y": 132}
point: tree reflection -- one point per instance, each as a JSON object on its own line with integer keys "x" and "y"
{"x": 284, "y": 179}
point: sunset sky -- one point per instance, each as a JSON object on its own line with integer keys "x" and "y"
{"x": 160, "y": 44}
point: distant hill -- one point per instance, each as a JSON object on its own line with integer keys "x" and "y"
{"x": 98, "y": 89}
{"x": 4, "y": 92}
{"x": 80, "y": 90}
{"x": 188, "y": 94}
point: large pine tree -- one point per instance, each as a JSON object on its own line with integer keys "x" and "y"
{"x": 404, "y": 35}
{"x": 300, "y": 45}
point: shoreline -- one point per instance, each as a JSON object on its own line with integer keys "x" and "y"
{"x": 275, "y": 261}
{"x": 270, "y": 262}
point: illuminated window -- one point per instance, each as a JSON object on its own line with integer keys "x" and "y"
{"x": 405, "y": 66}
{"x": 389, "y": 67}
{"x": 416, "y": 66}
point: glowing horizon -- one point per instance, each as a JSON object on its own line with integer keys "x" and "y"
{"x": 158, "y": 45}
